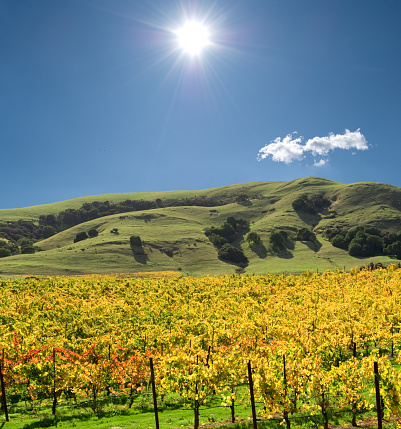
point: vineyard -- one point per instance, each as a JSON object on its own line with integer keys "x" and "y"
{"x": 308, "y": 343}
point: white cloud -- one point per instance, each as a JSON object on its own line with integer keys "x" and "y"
{"x": 349, "y": 140}
{"x": 285, "y": 150}
{"x": 320, "y": 163}
{"x": 291, "y": 149}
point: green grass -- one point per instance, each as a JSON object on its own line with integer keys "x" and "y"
{"x": 174, "y": 412}
{"x": 174, "y": 237}
{"x": 142, "y": 417}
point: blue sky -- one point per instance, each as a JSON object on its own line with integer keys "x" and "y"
{"x": 97, "y": 96}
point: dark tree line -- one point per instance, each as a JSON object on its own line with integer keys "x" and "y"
{"x": 367, "y": 241}
{"x": 96, "y": 209}
{"x": 312, "y": 204}
{"x": 18, "y": 236}
{"x": 16, "y": 230}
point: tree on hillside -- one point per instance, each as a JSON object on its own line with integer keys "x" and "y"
{"x": 394, "y": 249}
{"x": 253, "y": 238}
{"x": 136, "y": 245}
{"x": 312, "y": 204}
{"x": 4, "y": 252}
{"x": 93, "y": 233}
{"x": 302, "y": 203}
{"x": 232, "y": 221}
{"x": 339, "y": 241}
{"x": 217, "y": 240}
{"x": 135, "y": 241}
{"x": 48, "y": 231}
{"x": 26, "y": 245}
{"x": 226, "y": 230}
{"x": 231, "y": 254}
{"x": 304, "y": 234}
{"x": 80, "y": 236}
{"x": 364, "y": 244}
{"x": 277, "y": 240}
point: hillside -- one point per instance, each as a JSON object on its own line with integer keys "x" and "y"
{"x": 173, "y": 227}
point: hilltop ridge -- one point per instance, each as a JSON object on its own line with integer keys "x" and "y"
{"x": 172, "y": 227}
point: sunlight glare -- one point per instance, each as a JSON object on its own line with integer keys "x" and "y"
{"x": 193, "y": 37}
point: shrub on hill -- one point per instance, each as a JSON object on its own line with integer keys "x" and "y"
{"x": 26, "y": 245}
{"x": 93, "y": 233}
{"x": 226, "y": 231}
{"x": 242, "y": 199}
{"x": 27, "y": 249}
{"x": 231, "y": 229}
{"x": 394, "y": 249}
{"x": 339, "y": 241}
{"x": 136, "y": 245}
{"x": 80, "y": 236}
{"x": 253, "y": 238}
{"x": 48, "y": 231}
{"x": 312, "y": 204}
{"x": 231, "y": 254}
{"x": 304, "y": 234}
{"x": 217, "y": 240}
{"x": 135, "y": 241}
{"x": 277, "y": 240}
{"x": 11, "y": 246}
{"x": 4, "y": 252}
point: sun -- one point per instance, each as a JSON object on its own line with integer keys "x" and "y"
{"x": 193, "y": 37}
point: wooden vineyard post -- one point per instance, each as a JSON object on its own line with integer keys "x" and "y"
{"x": 285, "y": 412}
{"x": 353, "y": 422}
{"x": 208, "y": 356}
{"x": 3, "y": 389}
{"x": 108, "y": 387}
{"x": 196, "y": 406}
{"x": 54, "y": 384}
{"x": 152, "y": 376}
{"x": 232, "y": 406}
{"x": 378, "y": 401}
{"x": 255, "y": 425}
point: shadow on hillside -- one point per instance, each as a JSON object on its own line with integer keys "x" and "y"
{"x": 309, "y": 218}
{"x": 289, "y": 244}
{"x": 142, "y": 258}
{"x": 245, "y": 203}
{"x": 313, "y": 245}
{"x": 259, "y": 249}
{"x": 284, "y": 254}
{"x": 240, "y": 265}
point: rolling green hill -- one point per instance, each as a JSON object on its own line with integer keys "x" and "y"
{"x": 173, "y": 229}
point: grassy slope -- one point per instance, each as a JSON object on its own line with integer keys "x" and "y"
{"x": 174, "y": 236}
